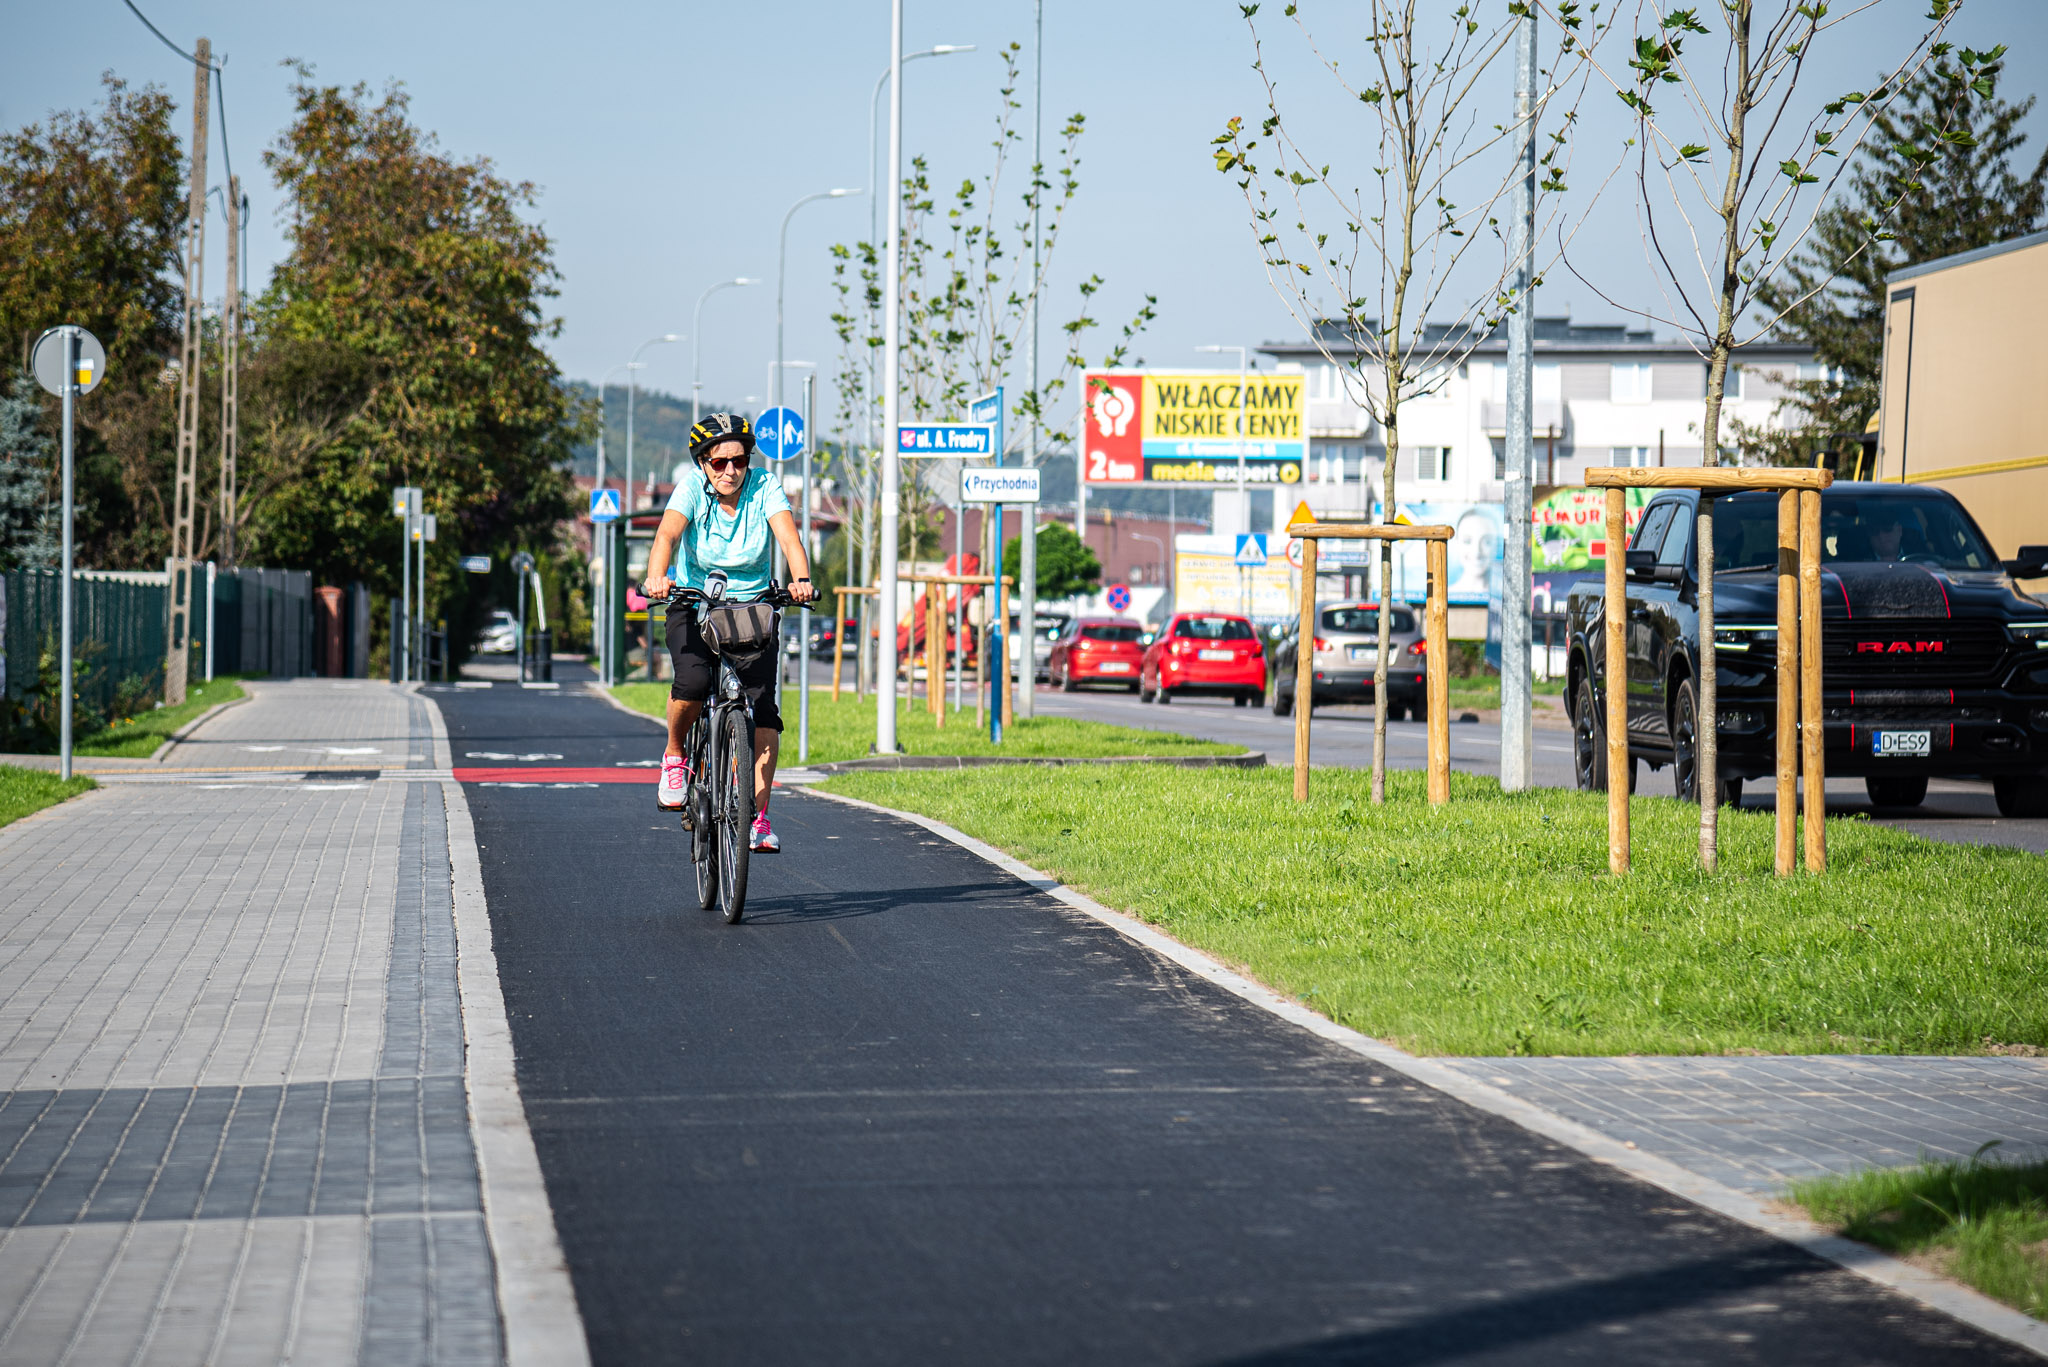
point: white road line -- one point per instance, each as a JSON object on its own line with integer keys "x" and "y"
{"x": 1938, "y": 1293}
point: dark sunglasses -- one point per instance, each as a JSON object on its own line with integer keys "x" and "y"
{"x": 724, "y": 463}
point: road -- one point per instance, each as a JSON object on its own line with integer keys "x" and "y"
{"x": 914, "y": 1111}
{"x": 1955, "y": 810}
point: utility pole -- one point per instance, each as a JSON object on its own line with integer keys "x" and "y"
{"x": 175, "y": 659}
{"x": 1027, "y": 520}
{"x": 892, "y": 359}
{"x": 1517, "y": 753}
{"x": 230, "y": 375}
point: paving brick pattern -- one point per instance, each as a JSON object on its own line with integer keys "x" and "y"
{"x": 233, "y": 1125}
{"x": 1756, "y": 1124}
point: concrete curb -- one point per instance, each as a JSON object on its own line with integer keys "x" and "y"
{"x": 600, "y": 691}
{"x": 536, "y": 1300}
{"x": 162, "y": 752}
{"x": 1936, "y": 1292}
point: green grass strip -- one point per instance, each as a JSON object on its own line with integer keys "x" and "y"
{"x": 1491, "y": 926}
{"x": 845, "y": 729}
{"x": 137, "y": 737}
{"x": 23, "y": 791}
{"x": 1982, "y": 1222}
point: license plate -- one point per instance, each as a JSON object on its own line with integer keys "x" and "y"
{"x": 1902, "y": 744}
{"x": 1364, "y": 655}
{"x": 1214, "y": 655}
{"x": 1114, "y": 667}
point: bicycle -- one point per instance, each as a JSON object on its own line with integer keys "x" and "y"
{"x": 718, "y": 807}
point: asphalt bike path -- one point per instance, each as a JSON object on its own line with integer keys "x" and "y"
{"x": 912, "y": 1110}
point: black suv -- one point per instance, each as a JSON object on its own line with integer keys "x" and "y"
{"x": 1934, "y": 661}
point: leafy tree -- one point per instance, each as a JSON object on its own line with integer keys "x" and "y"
{"x": 1832, "y": 294}
{"x": 1066, "y": 567}
{"x": 401, "y": 342}
{"x": 92, "y": 218}
{"x": 28, "y": 530}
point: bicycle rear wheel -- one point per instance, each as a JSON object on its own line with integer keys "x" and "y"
{"x": 733, "y": 800}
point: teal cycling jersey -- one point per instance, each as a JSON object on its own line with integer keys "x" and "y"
{"x": 737, "y": 543}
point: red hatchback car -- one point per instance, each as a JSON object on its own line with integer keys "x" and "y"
{"x": 1210, "y": 653}
{"x": 1097, "y": 650}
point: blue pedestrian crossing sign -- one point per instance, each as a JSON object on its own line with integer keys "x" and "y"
{"x": 1251, "y": 549}
{"x": 780, "y": 433}
{"x": 604, "y": 505}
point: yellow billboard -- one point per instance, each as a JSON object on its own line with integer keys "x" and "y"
{"x": 1193, "y": 427}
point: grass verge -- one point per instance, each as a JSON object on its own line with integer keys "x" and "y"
{"x": 1491, "y": 926}
{"x": 1981, "y": 1222}
{"x": 138, "y": 737}
{"x": 845, "y": 729}
{"x": 23, "y": 791}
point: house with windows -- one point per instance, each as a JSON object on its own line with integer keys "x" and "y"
{"x": 1605, "y": 394}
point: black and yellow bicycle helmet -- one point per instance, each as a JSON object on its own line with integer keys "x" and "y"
{"x": 720, "y": 427}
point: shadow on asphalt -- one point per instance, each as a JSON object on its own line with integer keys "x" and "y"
{"x": 843, "y": 906}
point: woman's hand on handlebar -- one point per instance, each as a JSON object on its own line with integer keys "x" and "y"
{"x": 657, "y": 586}
{"x": 802, "y": 591}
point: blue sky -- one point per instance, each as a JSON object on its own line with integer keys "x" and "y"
{"x": 667, "y": 140}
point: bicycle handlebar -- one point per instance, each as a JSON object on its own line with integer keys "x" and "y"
{"x": 775, "y": 595}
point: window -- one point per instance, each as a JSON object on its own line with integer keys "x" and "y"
{"x": 1677, "y": 548}
{"x": 1097, "y": 632}
{"x": 1214, "y": 629}
{"x": 1732, "y": 384}
{"x": 1927, "y": 529}
{"x": 1630, "y": 455}
{"x": 1548, "y": 382}
{"x": 1630, "y": 383}
{"x": 1650, "y": 531}
{"x": 1357, "y": 620}
{"x": 1432, "y": 462}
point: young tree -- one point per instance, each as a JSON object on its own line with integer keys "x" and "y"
{"x": 1832, "y": 293}
{"x": 1391, "y": 266}
{"x": 1066, "y": 567}
{"x": 1732, "y": 158}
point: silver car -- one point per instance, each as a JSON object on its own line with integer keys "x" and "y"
{"x": 1346, "y": 652}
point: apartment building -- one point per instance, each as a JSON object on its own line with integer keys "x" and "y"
{"x": 1605, "y": 394}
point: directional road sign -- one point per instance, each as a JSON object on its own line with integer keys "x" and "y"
{"x": 946, "y": 439}
{"x": 988, "y": 409}
{"x": 47, "y": 361}
{"x": 1118, "y": 598}
{"x": 1251, "y": 549}
{"x": 604, "y": 505}
{"x": 998, "y": 484}
{"x": 780, "y": 433}
{"x": 476, "y": 564}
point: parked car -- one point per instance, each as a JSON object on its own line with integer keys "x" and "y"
{"x": 500, "y": 634}
{"x": 1050, "y": 625}
{"x": 823, "y": 637}
{"x": 1211, "y": 653}
{"x": 1345, "y": 652}
{"x": 1097, "y": 650}
{"x": 1933, "y": 658}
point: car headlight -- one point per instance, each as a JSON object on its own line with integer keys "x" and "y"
{"x": 1741, "y": 638}
{"x": 2033, "y": 634}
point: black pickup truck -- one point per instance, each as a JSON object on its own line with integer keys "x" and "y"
{"x": 1935, "y": 661}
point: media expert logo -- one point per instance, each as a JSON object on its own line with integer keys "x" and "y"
{"x": 1189, "y": 426}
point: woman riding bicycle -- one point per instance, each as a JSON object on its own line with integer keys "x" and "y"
{"x": 722, "y": 522}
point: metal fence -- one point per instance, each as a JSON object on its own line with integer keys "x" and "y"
{"x": 118, "y": 626}
{"x": 263, "y": 623}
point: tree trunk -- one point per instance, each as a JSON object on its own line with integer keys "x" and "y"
{"x": 1379, "y": 668}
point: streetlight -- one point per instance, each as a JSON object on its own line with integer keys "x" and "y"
{"x": 781, "y": 270}
{"x": 1140, "y": 536}
{"x": 1244, "y": 503}
{"x": 697, "y": 331}
{"x": 632, "y": 391}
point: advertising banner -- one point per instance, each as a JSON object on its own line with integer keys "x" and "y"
{"x": 1191, "y": 427}
{"x": 1207, "y": 578}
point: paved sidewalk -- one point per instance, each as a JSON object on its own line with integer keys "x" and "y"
{"x": 1756, "y": 1124}
{"x": 233, "y": 1124}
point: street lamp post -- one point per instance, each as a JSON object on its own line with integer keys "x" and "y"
{"x": 1141, "y": 536}
{"x": 885, "y": 511}
{"x": 696, "y": 332}
{"x": 600, "y": 542}
{"x": 632, "y": 392}
{"x": 781, "y": 274}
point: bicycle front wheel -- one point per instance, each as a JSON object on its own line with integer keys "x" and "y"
{"x": 734, "y": 815}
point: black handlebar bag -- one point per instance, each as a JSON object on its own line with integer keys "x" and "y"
{"x": 740, "y": 631}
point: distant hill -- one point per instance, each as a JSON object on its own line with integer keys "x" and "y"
{"x": 661, "y": 429}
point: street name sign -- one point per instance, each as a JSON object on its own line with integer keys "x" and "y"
{"x": 946, "y": 439}
{"x": 604, "y": 505}
{"x": 779, "y": 433}
{"x": 477, "y": 564}
{"x": 998, "y": 484}
{"x": 988, "y": 410}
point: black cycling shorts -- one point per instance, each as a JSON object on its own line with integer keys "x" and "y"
{"x": 696, "y": 667}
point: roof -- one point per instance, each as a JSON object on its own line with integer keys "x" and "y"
{"x": 1554, "y": 335}
{"x": 1942, "y": 263}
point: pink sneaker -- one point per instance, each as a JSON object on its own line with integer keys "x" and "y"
{"x": 675, "y": 783}
{"x": 764, "y": 841}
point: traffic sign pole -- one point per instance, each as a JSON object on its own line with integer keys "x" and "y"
{"x": 64, "y": 669}
{"x": 803, "y": 616}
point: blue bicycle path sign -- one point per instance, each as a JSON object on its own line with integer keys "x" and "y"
{"x": 779, "y": 433}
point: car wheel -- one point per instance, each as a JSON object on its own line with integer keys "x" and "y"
{"x": 1165, "y": 695}
{"x": 2021, "y": 795}
{"x": 1067, "y": 684}
{"x": 1283, "y": 702}
{"x": 1685, "y": 743}
{"x": 1896, "y": 791}
{"x": 1589, "y": 745}
{"x": 1241, "y": 700}
{"x": 1147, "y": 694}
